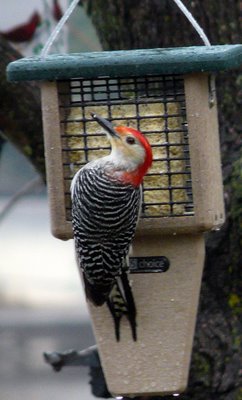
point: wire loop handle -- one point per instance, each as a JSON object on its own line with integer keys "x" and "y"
{"x": 73, "y": 5}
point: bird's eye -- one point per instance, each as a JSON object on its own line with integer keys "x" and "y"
{"x": 130, "y": 140}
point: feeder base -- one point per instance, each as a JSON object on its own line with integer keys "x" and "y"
{"x": 158, "y": 362}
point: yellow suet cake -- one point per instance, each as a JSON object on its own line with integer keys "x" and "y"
{"x": 89, "y": 142}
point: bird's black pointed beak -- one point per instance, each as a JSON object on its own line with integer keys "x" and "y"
{"x": 106, "y": 125}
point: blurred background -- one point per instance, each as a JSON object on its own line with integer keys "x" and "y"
{"x": 42, "y": 306}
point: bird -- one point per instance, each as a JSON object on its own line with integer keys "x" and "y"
{"x": 23, "y": 32}
{"x": 106, "y": 202}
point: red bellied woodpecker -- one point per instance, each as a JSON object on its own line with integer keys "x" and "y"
{"x": 106, "y": 199}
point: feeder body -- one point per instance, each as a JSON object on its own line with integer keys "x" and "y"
{"x": 166, "y": 94}
{"x": 182, "y": 198}
{"x": 188, "y": 201}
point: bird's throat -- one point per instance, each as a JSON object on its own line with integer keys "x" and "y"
{"x": 133, "y": 178}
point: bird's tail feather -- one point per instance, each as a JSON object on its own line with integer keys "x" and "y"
{"x": 121, "y": 302}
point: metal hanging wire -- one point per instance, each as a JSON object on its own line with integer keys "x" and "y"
{"x": 58, "y": 28}
{"x": 193, "y": 22}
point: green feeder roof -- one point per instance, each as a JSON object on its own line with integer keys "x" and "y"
{"x": 127, "y": 63}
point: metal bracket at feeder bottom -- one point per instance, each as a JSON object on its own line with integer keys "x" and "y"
{"x": 158, "y": 362}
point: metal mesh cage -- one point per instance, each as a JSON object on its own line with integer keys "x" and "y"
{"x": 155, "y": 105}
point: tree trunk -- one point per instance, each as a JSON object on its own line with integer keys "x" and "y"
{"x": 20, "y": 112}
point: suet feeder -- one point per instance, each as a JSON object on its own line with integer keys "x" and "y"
{"x": 168, "y": 94}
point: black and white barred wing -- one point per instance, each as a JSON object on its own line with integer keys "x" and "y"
{"x": 105, "y": 214}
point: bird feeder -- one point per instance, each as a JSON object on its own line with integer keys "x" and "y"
{"x": 168, "y": 94}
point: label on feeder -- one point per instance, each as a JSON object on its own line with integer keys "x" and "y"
{"x": 148, "y": 264}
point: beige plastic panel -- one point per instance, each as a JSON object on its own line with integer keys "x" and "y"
{"x": 204, "y": 156}
{"x": 205, "y": 153}
{"x": 60, "y": 227}
{"x": 158, "y": 363}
